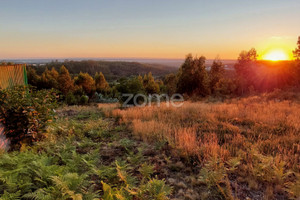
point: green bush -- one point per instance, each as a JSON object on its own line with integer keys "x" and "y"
{"x": 71, "y": 99}
{"x": 83, "y": 100}
{"x": 25, "y": 114}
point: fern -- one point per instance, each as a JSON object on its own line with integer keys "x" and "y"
{"x": 155, "y": 189}
{"x": 146, "y": 171}
{"x": 214, "y": 174}
{"x": 294, "y": 188}
{"x": 126, "y": 177}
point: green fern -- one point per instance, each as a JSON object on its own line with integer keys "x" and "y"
{"x": 146, "y": 171}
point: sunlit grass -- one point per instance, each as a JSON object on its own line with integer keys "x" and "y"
{"x": 264, "y": 134}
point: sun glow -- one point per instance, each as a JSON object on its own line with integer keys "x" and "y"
{"x": 276, "y": 55}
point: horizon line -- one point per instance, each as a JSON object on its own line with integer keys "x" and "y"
{"x": 86, "y": 58}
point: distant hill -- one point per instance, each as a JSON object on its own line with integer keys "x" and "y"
{"x": 111, "y": 69}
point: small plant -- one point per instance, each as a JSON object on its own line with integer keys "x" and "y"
{"x": 214, "y": 174}
{"x": 155, "y": 189}
{"x": 146, "y": 171}
{"x": 127, "y": 144}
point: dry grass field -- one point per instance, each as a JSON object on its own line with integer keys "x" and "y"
{"x": 253, "y": 141}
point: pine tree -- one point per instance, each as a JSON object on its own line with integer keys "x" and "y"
{"x": 87, "y": 83}
{"x": 297, "y": 50}
{"x": 33, "y": 77}
{"x": 101, "y": 83}
{"x": 170, "y": 81}
{"x": 297, "y": 63}
{"x": 140, "y": 78}
{"x": 193, "y": 77}
{"x": 66, "y": 84}
{"x": 216, "y": 73}
{"x": 49, "y": 79}
{"x": 150, "y": 85}
{"x": 245, "y": 69}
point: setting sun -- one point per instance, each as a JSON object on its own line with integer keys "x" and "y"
{"x": 276, "y": 55}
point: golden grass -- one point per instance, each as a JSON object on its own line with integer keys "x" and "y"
{"x": 107, "y": 108}
{"x": 258, "y": 131}
{"x": 273, "y": 127}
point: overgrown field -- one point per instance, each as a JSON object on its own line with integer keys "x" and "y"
{"x": 240, "y": 148}
{"x": 83, "y": 156}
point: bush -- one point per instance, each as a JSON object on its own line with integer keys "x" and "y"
{"x": 25, "y": 114}
{"x": 83, "y": 100}
{"x": 71, "y": 99}
{"x": 225, "y": 86}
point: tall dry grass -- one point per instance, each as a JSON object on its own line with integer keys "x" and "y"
{"x": 261, "y": 133}
{"x": 273, "y": 127}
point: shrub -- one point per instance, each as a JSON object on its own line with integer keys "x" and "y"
{"x": 25, "y": 113}
{"x": 225, "y": 86}
{"x": 83, "y": 100}
{"x": 71, "y": 99}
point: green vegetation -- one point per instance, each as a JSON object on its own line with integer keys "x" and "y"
{"x": 112, "y": 70}
{"x": 193, "y": 77}
{"x": 237, "y": 148}
{"x": 101, "y": 83}
{"x": 82, "y": 156}
{"x": 25, "y": 113}
{"x": 83, "y": 88}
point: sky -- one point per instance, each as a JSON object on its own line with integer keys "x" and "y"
{"x": 146, "y": 28}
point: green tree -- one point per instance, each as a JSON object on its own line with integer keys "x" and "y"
{"x": 193, "y": 77}
{"x": 216, "y": 73}
{"x": 297, "y": 57}
{"x": 140, "y": 78}
{"x": 101, "y": 84}
{"x": 151, "y": 87}
{"x": 130, "y": 86}
{"x": 49, "y": 79}
{"x": 33, "y": 77}
{"x": 296, "y": 52}
{"x": 66, "y": 84}
{"x": 86, "y": 82}
{"x": 170, "y": 81}
{"x": 225, "y": 86}
{"x": 245, "y": 69}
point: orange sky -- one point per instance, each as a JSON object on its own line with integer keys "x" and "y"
{"x": 146, "y": 29}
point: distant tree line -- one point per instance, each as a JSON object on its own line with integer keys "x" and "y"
{"x": 193, "y": 79}
{"x": 112, "y": 70}
{"x": 83, "y": 87}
